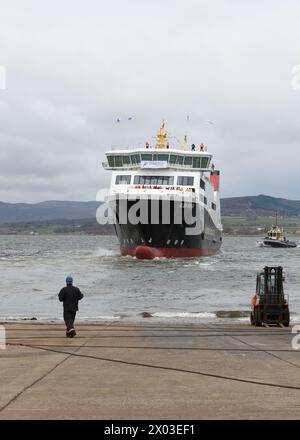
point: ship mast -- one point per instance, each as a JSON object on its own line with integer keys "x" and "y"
{"x": 162, "y": 137}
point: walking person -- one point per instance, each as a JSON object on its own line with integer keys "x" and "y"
{"x": 69, "y": 296}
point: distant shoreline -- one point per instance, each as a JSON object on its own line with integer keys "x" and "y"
{"x": 233, "y": 225}
{"x": 24, "y": 233}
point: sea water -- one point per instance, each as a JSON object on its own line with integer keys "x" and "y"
{"x": 33, "y": 270}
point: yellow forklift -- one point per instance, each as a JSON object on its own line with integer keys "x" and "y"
{"x": 269, "y": 306}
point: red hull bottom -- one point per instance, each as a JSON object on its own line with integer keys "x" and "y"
{"x": 148, "y": 253}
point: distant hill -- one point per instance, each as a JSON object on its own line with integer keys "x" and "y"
{"x": 52, "y": 211}
{"x": 47, "y": 211}
{"x": 259, "y": 206}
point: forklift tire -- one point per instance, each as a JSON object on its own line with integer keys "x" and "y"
{"x": 286, "y": 319}
{"x": 257, "y": 317}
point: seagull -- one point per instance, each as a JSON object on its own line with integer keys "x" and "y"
{"x": 118, "y": 120}
{"x": 210, "y": 122}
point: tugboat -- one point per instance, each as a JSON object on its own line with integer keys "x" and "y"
{"x": 276, "y": 238}
{"x": 154, "y": 190}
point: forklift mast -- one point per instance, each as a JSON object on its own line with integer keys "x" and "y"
{"x": 272, "y": 307}
{"x": 273, "y": 280}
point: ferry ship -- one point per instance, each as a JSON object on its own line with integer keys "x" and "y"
{"x": 165, "y": 200}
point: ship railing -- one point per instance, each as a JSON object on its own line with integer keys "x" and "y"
{"x": 154, "y": 148}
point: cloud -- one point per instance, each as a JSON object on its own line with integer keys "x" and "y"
{"x": 73, "y": 67}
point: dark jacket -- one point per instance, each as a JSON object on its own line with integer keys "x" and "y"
{"x": 70, "y": 295}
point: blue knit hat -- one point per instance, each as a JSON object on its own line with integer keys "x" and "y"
{"x": 69, "y": 279}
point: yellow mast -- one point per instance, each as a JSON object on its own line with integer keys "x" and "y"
{"x": 162, "y": 137}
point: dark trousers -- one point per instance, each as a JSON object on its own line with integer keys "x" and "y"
{"x": 69, "y": 318}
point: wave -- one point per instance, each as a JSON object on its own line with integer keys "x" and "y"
{"x": 179, "y": 315}
{"x": 101, "y": 317}
{"x": 48, "y": 319}
{"x": 30, "y": 320}
{"x": 103, "y": 252}
{"x": 238, "y": 315}
{"x": 225, "y": 316}
{"x": 295, "y": 318}
{"x": 232, "y": 314}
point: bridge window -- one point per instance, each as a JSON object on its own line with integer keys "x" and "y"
{"x": 153, "y": 180}
{"x": 111, "y": 161}
{"x": 196, "y": 162}
{"x": 205, "y": 200}
{"x": 202, "y": 184}
{"x": 135, "y": 159}
{"x": 173, "y": 158}
{"x": 147, "y": 157}
{"x": 213, "y": 205}
{"x": 126, "y": 160}
{"x": 188, "y": 160}
{"x": 204, "y": 162}
{"x": 118, "y": 161}
{"x": 185, "y": 180}
{"x": 123, "y": 180}
{"x": 163, "y": 157}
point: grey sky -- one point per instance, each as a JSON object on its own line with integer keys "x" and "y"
{"x": 73, "y": 67}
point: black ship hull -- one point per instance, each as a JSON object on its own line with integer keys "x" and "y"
{"x": 149, "y": 240}
{"x": 279, "y": 243}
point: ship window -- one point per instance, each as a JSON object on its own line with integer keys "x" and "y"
{"x": 204, "y": 162}
{"x": 196, "y": 162}
{"x": 168, "y": 180}
{"x": 146, "y": 156}
{"x": 205, "y": 200}
{"x": 180, "y": 160}
{"x": 173, "y": 158}
{"x": 135, "y": 159}
{"x": 185, "y": 180}
{"x": 123, "y": 180}
{"x": 111, "y": 161}
{"x": 202, "y": 184}
{"x": 163, "y": 157}
{"x": 126, "y": 160}
{"x": 153, "y": 180}
{"x": 118, "y": 161}
{"x": 188, "y": 160}
{"x": 213, "y": 205}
